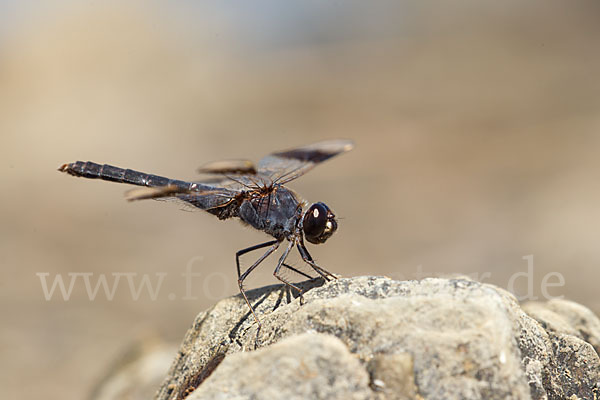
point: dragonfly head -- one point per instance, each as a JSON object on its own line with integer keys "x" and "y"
{"x": 318, "y": 223}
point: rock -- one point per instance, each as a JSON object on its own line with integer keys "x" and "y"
{"x": 376, "y": 338}
{"x": 305, "y": 366}
{"x": 138, "y": 373}
{"x": 562, "y": 316}
{"x": 574, "y": 333}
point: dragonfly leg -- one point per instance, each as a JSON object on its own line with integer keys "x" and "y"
{"x": 248, "y": 250}
{"x": 309, "y": 260}
{"x": 304, "y": 274}
{"x": 241, "y": 276}
{"x": 280, "y": 264}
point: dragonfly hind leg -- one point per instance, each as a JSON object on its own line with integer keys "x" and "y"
{"x": 242, "y": 276}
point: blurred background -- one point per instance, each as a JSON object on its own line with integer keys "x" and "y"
{"x": 477, "y": 130}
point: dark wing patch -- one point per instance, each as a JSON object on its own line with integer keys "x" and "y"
{"x": 285, "y": 166}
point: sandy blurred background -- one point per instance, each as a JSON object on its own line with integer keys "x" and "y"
{"x": 477, "y": 129}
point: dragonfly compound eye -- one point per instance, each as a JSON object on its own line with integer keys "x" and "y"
{"x": 319, "y": 223}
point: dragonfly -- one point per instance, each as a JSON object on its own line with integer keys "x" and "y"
{"x": 254, "y": 194}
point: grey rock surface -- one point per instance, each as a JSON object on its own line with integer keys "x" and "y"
{"x": 376, "y": 338}
{"x": 305, "y": 366}
{"x": 563, "y": 316}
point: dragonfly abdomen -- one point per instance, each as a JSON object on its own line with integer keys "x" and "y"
{"x": 91, "y": 170}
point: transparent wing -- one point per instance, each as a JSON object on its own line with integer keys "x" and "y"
{"x": 202, "y": 196}
{"x": 235, "y": 175}
{"x": 237, "y": 183}
{"x": 285, "y": 166}
{"x": 229, "y": 167}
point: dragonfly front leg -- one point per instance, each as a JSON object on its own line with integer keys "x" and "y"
{"x": 280, "y": 264}
{"x": 307, "y": 258}
{"x": 304, "y": 274}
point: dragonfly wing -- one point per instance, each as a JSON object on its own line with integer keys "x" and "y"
{"x": 285, "y": 166}
{"x": 201, "y": 196}
{"x": 228, "y": 167}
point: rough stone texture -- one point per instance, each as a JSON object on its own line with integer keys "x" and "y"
{"x": 306, "y": 366}
{"x": 379, "y": 338}
{"x": 562, "y": 316}
{"x": 574, "y": 334}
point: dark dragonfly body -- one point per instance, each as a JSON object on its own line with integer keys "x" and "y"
{"x": 110, "y": 173}
{"x": 282, "y": 208}
{"x": 254, "y": 194}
